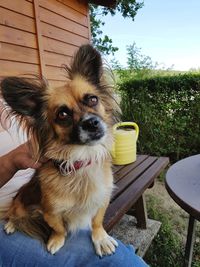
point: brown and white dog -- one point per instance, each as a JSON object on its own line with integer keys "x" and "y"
{"x": 71, "y": 127}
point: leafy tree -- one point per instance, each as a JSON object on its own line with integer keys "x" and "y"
{"x": 127, "y": 8}
{"x": 137, "y": 61}
{"x": 138, "y": 65}
{"x": 115, "y": 64}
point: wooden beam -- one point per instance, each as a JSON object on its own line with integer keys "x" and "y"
{"x": 39, "y": 38}
{"x": 89, "y": 26}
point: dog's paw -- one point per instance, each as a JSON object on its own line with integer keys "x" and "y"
{"x": 55, "y": 242}
{"x": 9, "y": 227}
{"x": 105, "y": 245}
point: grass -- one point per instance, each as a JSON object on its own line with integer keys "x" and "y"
{"x": 167, "y": 249}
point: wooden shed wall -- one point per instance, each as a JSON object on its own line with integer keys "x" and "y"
{"x": 38, "y": 36}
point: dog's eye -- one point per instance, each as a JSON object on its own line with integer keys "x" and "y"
{"x": 62, "y": 115}
{"x": 91, "y": 100}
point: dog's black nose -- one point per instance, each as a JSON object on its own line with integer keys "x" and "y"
{"x": 91, "y": 124}
{"x": 89, "y": 130}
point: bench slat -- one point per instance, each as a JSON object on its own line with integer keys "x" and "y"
{"x": 127, "y": 199}
{"x": 132, "y": 175}
{"x": 127, "y": 168}
{"x": 117, "y": 169}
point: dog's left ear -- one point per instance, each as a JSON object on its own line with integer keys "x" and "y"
{"x": 24, "y": 96}
{"x": 87, "y": 63}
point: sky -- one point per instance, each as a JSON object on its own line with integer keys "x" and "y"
{"x": 166, "y": 30}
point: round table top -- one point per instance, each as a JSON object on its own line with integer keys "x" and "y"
{"x": 183, "y": 184}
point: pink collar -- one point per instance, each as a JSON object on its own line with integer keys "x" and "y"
{"x": 80, "y": 163}
{"x": 65, "y": 170}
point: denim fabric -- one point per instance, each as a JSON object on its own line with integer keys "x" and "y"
{"x": 19, "y": 250}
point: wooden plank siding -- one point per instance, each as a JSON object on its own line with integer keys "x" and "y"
{"x": 39, "y": 36}
{"x": 65, "y": 11}
{"x": 17, "y": 68}
{"x": 19, "y": 6}
{"x": 18, "y": 53}
{"x": 80, "y": 6}
{"x": 17, "y": 37}
{"x": 15, "y": 20}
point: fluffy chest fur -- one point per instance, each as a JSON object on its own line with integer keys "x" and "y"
{"x": 78, "y": 195}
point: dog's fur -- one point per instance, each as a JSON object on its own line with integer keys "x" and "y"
{"x": 68, "y": 124}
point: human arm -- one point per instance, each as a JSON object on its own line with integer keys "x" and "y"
{"x": 17, "y": 159}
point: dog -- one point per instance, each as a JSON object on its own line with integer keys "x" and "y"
{"x": 71, "y": 126}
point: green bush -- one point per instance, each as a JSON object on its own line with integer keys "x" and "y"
{"x": 168, "y": 246}
{"x": 167, "y": 110}
{"x": 166, "y": 249}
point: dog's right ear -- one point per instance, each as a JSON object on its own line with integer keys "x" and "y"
{"x": 24, "y": 96}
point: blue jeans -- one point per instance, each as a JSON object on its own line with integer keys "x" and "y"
{"x": 19, "y": 250}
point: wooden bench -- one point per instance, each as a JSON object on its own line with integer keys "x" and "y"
{"x": 131, "y": 182}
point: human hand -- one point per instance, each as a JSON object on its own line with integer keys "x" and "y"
{"x": 21, "y": 158}
{"x": 17, "y": 159}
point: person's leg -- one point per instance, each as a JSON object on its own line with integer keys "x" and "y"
{"x": 19, "y": 250}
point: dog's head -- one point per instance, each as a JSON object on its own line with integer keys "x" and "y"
{"x": 70, "y": 117}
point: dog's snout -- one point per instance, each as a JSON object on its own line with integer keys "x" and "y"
{"x": 91, "y": 128}
{"x": 91, "y": 124}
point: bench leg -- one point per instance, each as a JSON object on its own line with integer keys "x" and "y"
{"x": 140, "y": 212}
{"x": 190, "y": 242}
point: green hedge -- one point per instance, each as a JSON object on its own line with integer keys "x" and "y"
{"x": 167, "y": 110}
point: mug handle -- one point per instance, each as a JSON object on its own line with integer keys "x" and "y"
{"x": 128, "y": 123}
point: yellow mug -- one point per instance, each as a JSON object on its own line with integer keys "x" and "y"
{"x": 125, "y": 143}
